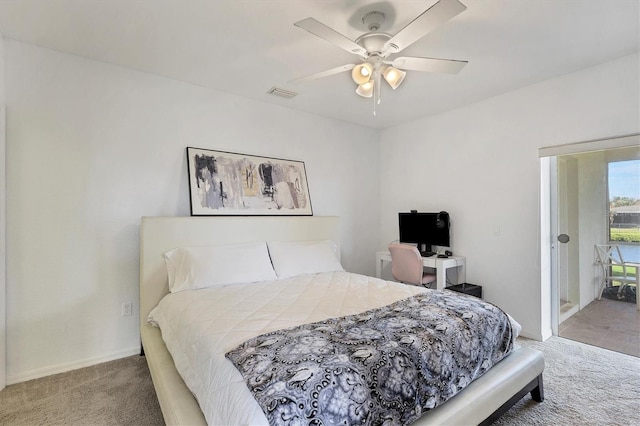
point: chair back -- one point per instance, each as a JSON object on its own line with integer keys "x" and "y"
{"x": 608, "y": 255}
{"x": 406, "y": 263}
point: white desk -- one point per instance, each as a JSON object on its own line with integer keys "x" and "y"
{"x": 441, "y": 266}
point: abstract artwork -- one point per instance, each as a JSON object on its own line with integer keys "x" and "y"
{"x": 226, "y": 183}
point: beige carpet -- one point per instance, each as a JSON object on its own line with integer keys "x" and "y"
{"x": 114, "y": 393}
{"x": 584, "y": 385}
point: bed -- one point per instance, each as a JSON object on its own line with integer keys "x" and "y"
{"x": 480, "y": 402}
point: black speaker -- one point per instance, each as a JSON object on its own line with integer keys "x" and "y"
{"x": 466, "y": 288}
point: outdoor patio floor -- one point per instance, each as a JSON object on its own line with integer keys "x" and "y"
{"x": 606, "y": 323}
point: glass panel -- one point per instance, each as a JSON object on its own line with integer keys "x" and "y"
{"x": 624, "y": 207}
{"x": 590, "y": 190}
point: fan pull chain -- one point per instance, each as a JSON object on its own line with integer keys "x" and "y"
{"x": 375, "y": 90}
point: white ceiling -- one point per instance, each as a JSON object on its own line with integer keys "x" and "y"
{"x": 247, "y": 46}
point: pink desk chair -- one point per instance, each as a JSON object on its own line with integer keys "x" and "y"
{"x": 407, "y": 267}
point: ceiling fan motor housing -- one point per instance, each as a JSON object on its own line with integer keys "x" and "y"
{"x": 373, "y": 42}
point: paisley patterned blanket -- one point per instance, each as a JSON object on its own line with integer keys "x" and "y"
{"x": 387, "y": 365}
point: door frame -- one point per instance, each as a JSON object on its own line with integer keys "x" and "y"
{"x": 3, "y": 252}
{"x": 549, "y": 217}
{"x": 553, "y": 244}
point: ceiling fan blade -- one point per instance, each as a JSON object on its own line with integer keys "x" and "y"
{"x": 429, "y": 20}
{"x": 319, "y": 29}
{"x": 326, "y": 73}
{"x": 445, "y": 66}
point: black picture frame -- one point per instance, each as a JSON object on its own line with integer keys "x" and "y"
{"x": 225, "y": 183}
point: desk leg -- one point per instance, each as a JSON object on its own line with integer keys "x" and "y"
{"x": 441, "y": 276}
{"x": 379, "y": 268}
{"x": 462, "y": 274}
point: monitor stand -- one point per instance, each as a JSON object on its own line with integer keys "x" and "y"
{"x": 425, "y": 250}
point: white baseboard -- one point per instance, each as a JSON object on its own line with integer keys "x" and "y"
{"x": 546, "y": 334}
{"x": 540, "y": 337}
{"x": 569, "y": 313}
{"x": 63, "y": 368}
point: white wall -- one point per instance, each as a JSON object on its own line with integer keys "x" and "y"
{"x": 480, "y": 163}
{"x": 93, "y": 147}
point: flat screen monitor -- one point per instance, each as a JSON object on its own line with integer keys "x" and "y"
{"x": 424, "y": 229}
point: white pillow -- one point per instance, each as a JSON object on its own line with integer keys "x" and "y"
{"x": 291, "y": 258}
{"x": 191, "y": 268}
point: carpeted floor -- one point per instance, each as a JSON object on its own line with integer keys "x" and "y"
{"x": 584, "y": 385}
{"x": 113, "y": 393}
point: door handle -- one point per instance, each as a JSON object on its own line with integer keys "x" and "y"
{"x": 563, "y": 238}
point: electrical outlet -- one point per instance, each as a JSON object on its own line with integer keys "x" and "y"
{"x": 126, "y": 309}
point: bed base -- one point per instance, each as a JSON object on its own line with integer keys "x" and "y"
{"x": 178, "y": 405}
{"x": 537, "y": 394}
{"x": 482, "y": 402}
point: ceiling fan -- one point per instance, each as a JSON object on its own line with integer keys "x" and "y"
{"x": 376, "y": 49}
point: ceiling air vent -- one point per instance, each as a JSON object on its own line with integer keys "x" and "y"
{"x": 276, "y": 91}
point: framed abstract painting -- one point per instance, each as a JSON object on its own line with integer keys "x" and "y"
{"x": 227, "y": 183}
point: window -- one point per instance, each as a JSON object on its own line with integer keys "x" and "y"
{"x": 624, "y": 202}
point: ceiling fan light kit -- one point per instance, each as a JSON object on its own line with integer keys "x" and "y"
{"x": 376, "y": 48}
{"x": 365, "y": 73}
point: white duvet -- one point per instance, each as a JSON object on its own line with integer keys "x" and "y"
{"x": 200, "y": 326}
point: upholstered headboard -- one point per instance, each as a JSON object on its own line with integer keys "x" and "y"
{"x": 160, "y": 234}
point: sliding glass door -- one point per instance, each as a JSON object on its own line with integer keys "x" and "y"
{"x": 593, "y": 198}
